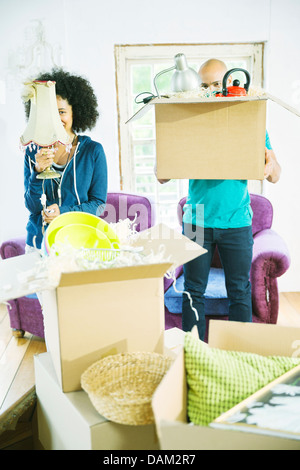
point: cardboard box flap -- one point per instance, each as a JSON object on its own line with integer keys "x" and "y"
{"x": 11, "y": 270}
{"x": 283, "y": 104}
{"x": 176, "y": 249}
{"x": 175, "y": 100}
{"x": 166, "y": 407}
{"x": 163, "y": 408}
{"x": 254, "y": 338}
{"x": 172, "y": 100}
{"x": 113, "y": 275}
{"x": 141, "y": 112}
{"x": 179, "y": 249}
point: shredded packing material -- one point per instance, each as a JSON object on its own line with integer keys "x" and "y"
{"x": 125, "y": 230}
{"x": 202, "y": 92}
{"x": 256, "y": 91}
{"x": 71, "y": 259}
{"x": 199, "y": 92}
{"x": 171, "y": 275}
{"x": 47, "y": 271}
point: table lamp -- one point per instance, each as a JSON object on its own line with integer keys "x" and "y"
{"x": 44, "y": 128}
{"x": 184, "y": 77}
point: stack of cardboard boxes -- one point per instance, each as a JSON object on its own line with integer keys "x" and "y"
{"x": 91, "y": 314}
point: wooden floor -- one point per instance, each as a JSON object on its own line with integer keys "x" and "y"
{"x": 17, "y": 386}
{"x": 17, "y": 383}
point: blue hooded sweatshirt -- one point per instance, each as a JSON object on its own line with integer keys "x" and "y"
{"x": 82, "y": 186}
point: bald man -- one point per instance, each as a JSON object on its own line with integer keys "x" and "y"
{"x": 225, "y": 224}
{"x": 212, "y": 73}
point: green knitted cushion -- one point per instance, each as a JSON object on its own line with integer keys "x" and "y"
{"x": 218, "y": 380}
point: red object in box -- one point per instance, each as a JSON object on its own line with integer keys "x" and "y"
{"x": 234, "y": 90}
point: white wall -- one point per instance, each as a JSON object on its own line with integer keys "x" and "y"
{"x": 88, "y": 32}
{"x": 283, "y": 66}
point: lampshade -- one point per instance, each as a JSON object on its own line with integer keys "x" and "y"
{"x": 184, "y": 77}
{"x": 44, "y": 126}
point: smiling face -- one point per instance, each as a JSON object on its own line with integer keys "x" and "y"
{"x": 66, "y": 114}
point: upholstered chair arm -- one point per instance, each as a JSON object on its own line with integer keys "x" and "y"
{"x": 270, "y": 253}
{"x": 271, "y": 260}
{"x": 13, "y": 247}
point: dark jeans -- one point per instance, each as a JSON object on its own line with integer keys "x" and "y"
{"x": 235, "y": 250}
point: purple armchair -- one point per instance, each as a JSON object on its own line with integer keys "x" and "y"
{"x": 270, "y": 260}
{"x": 120, "y": 206}
{"x": 25, "y": 313}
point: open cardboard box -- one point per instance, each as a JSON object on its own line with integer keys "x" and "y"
{"x": 170, "y": 399}
{"x": 210, "y": 138}
{"x": 92, "y": 314}
{"x": 69, "y": 421}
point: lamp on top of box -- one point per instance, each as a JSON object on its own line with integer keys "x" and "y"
{"x": 44, "y": 127}
{"x": 215, "y": 137}
{"x": 184, "y": 78}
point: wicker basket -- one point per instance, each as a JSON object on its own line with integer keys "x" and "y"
{"x": 121, "y": 386}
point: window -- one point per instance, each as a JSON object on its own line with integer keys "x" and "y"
{"x": 136, "y": 67}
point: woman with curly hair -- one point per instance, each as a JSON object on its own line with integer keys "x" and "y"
{"x": 83, "y": 182}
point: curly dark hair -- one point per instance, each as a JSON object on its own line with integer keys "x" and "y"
{"x": 79, "y": 94}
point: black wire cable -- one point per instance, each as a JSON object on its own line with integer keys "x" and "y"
{"x": 145, "y": 100}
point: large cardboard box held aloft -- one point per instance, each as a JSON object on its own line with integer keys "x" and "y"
{"x": 170, "y": 399}
{"x": 91, "y": 314}
{"x": 210, "y": 138}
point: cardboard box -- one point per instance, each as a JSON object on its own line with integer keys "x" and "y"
{"x": 69, "y": 421}
{"x": 210, "y": 138}
{"x": 170, "y": 399}
{"x": 91, "y": 314}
